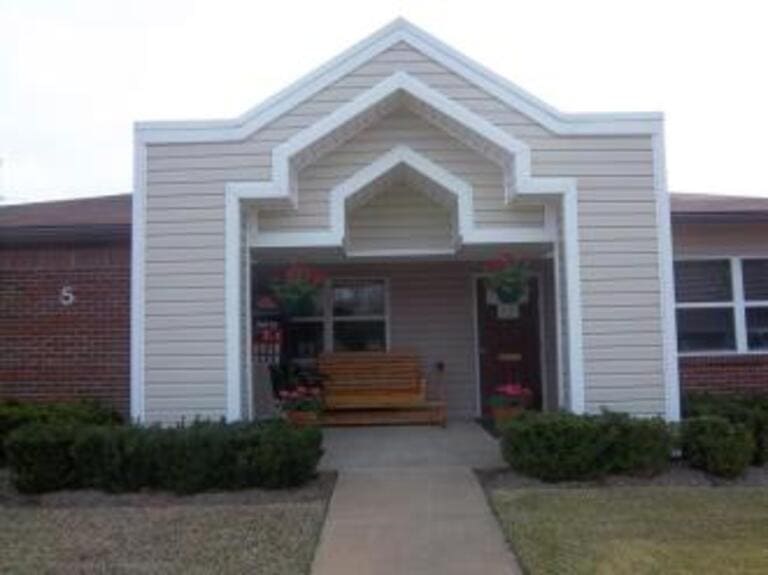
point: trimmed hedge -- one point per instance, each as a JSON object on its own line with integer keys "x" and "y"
{"x": 717, "y": 446}
{"x": 16, "y": 415}
{"x": 564, "y": 446}
{"x": 200, "y": 457}
{"x": 748, "y": 410}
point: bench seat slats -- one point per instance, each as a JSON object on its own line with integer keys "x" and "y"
{"x": 379, "y": 383}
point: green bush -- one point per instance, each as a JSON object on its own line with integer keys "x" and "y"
{"x": 635, "y": 446}
{"x": 748, "y": 410}
{"x": 199, "y": 457}
{"x": 717, "y": 446}
{"x": 564, "y": 446}
{"x": 14, "y": 415}
{"x": 40, "y": 457}
{"x": 280, "y": 456}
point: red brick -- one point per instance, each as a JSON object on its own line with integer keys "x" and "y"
{"x": 724, "y": 374}
{"x": 52, "y": 352}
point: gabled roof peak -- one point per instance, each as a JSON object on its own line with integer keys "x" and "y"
{"x": 399, "y": 30}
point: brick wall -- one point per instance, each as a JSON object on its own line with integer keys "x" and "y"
{"x": 52, "y": 351}
{"x": 738, "y": 373}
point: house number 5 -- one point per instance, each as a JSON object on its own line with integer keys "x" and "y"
{"x": 66, "y": 296}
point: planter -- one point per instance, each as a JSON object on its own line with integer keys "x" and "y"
{"x": 503, "y": 414}
{"x": 511, "y": 293}
{"x": 299, "y": 307}
{"x": 303, "y": 417}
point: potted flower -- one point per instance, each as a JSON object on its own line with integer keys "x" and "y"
{"x": 297, "y": 290}
{"x": 301, "y": 405}
{"x": 508, "y": 278}
{"x": 508, "y": 401}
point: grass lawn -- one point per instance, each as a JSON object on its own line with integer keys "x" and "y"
{"x": 637, "y": 529}
{"x": 246, "y": 532}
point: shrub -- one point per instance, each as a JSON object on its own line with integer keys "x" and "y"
{"x": 748, "y": 410}
{"x": 40, "y": 457}
{"x": 199, "y": 457}
{"x": 635, "y": 446}
{"x": 280, "y": 456}
{"x": 717, "y": 446}
{"x": 564, "y": 446}
{"x": 554, "y": 447}
{"x": 14, "y": 415}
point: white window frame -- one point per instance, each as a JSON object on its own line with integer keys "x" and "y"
{"x": 328, "y": 319}
{"x": 331, "y": 319}
{"x": 737, "y": 303}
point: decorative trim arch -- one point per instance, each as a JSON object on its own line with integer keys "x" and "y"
{"x": 400, "y": 156}
{"x": 282, "y": 190}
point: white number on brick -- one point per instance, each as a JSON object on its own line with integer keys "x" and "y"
{"x": 66, "y": 296}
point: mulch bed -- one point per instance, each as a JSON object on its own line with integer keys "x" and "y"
{"x": 319, "y": 489}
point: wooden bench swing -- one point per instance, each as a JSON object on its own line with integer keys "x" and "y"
{"x": 377, "y": 388}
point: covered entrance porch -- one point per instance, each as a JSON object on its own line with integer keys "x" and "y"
{"x": 436, "y": 309}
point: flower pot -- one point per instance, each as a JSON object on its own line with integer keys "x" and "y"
{"x": 504, "y": 413}
{"x": 510, "y": 293}
{"x": 300, "y": 307}
{"x": 303, "y": 417}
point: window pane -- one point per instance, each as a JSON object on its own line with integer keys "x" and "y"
{"x": 703, "y": 281}
{"x": 705, "y": 329}
{"x": 359, "y": 336}
{"x": 757, "y": 327}
{"x": 755, "y": 279}
{"x": 304, "y": 340}
{"x": 358, "y": 297}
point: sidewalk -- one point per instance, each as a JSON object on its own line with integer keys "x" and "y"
{"x": 409, "y": 519}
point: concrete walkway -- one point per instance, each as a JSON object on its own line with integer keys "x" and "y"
{"x": 407, "y": 502}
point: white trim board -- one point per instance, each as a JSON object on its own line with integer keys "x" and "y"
{"x": 137, "y": 282}
{"x": 282, "y": 190}
{"x": 346, "y": 191}
{"x": 396, "y": 32}
{"x": 667, "y": 277}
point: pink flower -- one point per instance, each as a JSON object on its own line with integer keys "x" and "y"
{"x": 304, "y": 273}
{"x": 513, "y": 390}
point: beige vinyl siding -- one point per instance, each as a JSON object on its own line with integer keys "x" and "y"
{"x": 621, "y": 302}
{"x": 720, "y": 239}
{"x": 185, "y": 213}
{"x": 401, "y": 218}
{"x": 185, "y": 354}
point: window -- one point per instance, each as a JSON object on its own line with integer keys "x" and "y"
{"x": 348, "y": 315}
{"x": 756, "y": 301}
{"x": 305, "y": 338}
{"x": 704, "y": 292}
{"x": 709, "y": 329}
{"x": 722, "y": 305}
{"x": 359, "y": 315}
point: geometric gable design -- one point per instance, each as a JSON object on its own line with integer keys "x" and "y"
{"x": 212, "y": 172}
{"x": 400, "y": 89}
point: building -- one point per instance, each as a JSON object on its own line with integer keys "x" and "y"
{"x": 399, "y": 168}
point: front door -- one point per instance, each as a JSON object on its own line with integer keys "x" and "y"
{"x": 508, "y": 343}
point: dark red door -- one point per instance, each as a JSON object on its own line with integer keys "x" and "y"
{"x": 508, "y": 344}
